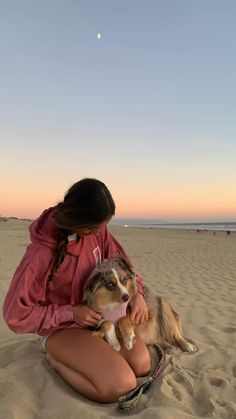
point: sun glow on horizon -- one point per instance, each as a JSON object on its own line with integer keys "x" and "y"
{"x": 25, "y": 207}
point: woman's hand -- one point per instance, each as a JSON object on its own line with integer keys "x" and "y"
{"x": 139, "y": 309}
{"x": 85, "y": 316}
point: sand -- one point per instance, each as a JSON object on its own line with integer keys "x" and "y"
{"x": 196, "y": 271}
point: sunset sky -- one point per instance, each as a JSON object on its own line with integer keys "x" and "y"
{"x": 149, "y": 109}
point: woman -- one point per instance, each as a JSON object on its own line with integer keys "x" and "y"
{"x": 45, "y": 295}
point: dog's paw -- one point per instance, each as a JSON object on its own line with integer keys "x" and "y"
{"x": 128, "y": 344}
{"x": 191, "y": 347}
{"x": 113, "y": 341}
{"x": 116, "y": 346}
{"x": 111, "y": 338}
{"x": 129, "y": 341}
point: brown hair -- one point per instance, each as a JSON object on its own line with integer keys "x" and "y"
{"x": 87, "y": 203}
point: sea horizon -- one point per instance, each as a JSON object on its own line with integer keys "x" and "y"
{"x": 157, "y": 223}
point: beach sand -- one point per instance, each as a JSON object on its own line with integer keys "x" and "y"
{"x": 196, "y": 271}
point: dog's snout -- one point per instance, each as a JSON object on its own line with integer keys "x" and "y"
{"x": 125, "y": 297}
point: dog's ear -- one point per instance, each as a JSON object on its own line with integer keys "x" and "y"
{"x": 93, "y": 282}
{"x": 124, "y": 264}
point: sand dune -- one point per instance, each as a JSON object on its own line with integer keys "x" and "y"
{"x": 196, "y": 271}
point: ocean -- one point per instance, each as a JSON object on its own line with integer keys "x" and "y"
{"x": 155, "y": 223}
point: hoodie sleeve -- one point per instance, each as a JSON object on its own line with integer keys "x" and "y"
{"x": 111, "y": 248}
{"x": 22, "y": 310}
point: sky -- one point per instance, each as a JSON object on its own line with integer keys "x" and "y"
{"x": 149, "y": 109}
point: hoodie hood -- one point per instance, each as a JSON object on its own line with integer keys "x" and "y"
{"x": 43, "y": 230}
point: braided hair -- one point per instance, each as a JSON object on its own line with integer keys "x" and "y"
{"x": 60, "y": 252}
{"x": 87, "y": 203}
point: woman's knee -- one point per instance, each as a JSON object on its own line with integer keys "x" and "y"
{"x": 139, "y": 358}
{"x": 120, "y": 385}
{"x": 142, "y": 365}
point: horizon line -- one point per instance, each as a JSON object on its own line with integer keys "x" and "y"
{"x": 185, "y": 220}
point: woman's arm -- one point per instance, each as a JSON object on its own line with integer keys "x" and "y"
{"x": 23, "y": 310}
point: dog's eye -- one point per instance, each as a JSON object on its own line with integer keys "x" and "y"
{"x": 124, "y": 281}
{"x": 110, "y": 285}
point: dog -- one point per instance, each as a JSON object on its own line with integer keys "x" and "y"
{"x": 110, "y": 288}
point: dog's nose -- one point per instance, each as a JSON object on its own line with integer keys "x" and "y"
{"x": 125, "y": 297}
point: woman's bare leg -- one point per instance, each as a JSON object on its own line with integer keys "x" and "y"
{"x": 90, "y": 365}
{"x": 138, "y": 357}
{"x": 72, "y": 377}
{"x": 139, "y": 364}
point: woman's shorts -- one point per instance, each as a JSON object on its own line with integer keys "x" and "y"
{"x": 43, "y": 342}
{"x": 44, "y": 338}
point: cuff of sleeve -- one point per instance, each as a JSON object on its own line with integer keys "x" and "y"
{"x": 66, "y": 313}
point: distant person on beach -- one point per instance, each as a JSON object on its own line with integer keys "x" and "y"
{"x": 45, "y": 295}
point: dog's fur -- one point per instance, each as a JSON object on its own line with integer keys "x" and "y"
{"x": 113, "y": 283}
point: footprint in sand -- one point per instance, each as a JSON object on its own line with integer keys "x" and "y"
{"x": 217, "y": 382}
{"x": 175, "y": 392}
{"x": 178, "y": 378}
{"x": 184, "y": 381}
{"x": 228, "y": 408}
{"x": 229, "y": 329}
{"x": 179, "y": 381}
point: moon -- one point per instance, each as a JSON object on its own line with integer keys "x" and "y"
{"x": 99, "y": 35}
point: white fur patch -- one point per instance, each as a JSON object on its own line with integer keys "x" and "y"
{"x": 115, "y": 273}
{"x": 123, "y": 290}
{"x": 129, "y": 340}
{"x": 111, "y": 338}
{"x": 191, "y": 347}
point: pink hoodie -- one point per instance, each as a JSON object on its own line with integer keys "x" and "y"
{"x": 26, "y": 308}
